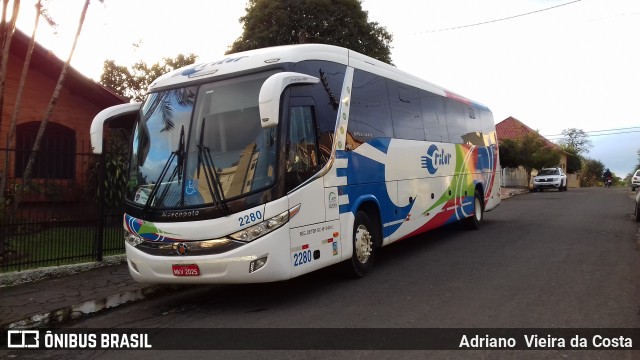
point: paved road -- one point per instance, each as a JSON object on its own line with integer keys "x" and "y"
{"x": 541, "y": 260}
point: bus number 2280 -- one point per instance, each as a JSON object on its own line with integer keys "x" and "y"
{"x": 302, "y": 257}
{"x": 250, "y": 218}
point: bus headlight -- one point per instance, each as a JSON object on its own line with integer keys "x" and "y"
{"x": 132, "y": 239}
{"x": 253, "y": 232}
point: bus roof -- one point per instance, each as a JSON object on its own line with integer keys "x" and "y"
{"x": 252, "y": 59}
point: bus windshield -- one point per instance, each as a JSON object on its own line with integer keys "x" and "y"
{"x": 201, "y": 145}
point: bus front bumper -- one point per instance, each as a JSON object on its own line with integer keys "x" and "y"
{"x": 264, "y": 260}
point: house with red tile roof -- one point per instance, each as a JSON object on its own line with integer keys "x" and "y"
{"x": 512, "y": 128}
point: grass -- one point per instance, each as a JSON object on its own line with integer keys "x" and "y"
{"x": 55, "y": 246}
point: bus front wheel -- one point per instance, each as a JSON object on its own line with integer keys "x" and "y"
{"x": 364, "y": 236}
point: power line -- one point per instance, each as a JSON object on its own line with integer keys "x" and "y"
{"x": 615, "y": 133}
{"x": 628, "y": 130}
{"x": 497, "y": 20}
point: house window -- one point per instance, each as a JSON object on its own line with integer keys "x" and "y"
{"x": 56, "y": 158}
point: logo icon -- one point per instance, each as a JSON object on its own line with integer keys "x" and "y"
{"x": 182, "y": 249}
{"x": 23, "y": 339}
{"x": 333, "y": 200}
{"x": 434, "y": 159}
{"x": 190, "y": 189}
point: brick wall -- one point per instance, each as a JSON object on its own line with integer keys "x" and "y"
{"x": 73, "y": 110}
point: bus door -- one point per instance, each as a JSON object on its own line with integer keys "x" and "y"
{"x": 314, "y": 241}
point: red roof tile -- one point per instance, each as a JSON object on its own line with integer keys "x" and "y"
{"x": 512, "y": 128}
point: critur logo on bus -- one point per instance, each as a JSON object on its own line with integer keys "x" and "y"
{"x": 435, "y": 158}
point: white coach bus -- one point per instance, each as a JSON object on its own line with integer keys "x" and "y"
{"x": 272, "y": 163}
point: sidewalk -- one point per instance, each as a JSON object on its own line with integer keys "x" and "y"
{"x": 41, "y": 298}
{"x": 506, "y": 193}
{"x": 56, "y": 300}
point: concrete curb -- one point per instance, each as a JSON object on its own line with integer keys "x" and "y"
{"x": 509, "y": 193}
{"x": 27, "y": 276}
{"x": 77, "y": 311}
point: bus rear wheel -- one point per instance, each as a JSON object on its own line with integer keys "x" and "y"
{"x": 473, "y": 222}
{"x": 363, "y": 240}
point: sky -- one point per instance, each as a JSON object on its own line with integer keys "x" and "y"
{"x": 552, "y": 64}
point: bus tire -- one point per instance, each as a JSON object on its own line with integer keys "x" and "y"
{"x": 473, "y": 222}
{"x": 363, "y": 242}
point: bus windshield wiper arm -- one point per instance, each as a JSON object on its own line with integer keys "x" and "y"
{"x": 177, "y": 171}
{"x": 210, "y": 173}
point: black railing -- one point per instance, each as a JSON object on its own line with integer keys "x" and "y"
{"x": 59, "y": 221}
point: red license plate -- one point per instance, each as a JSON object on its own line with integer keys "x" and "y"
{"x": 186, "y": 270}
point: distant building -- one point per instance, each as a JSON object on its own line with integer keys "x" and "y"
{"x": 67, "y": 134}
{"x": 514, "y": 129}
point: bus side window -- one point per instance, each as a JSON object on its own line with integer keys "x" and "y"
{"x": 406, "y": 114}
{"x": 302, "y": 148}
{"x": 370, "y": 114}
{"x": 435, "y": 125}
{"x": 456, "y": 114}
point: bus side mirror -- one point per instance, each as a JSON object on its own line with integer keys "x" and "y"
{"x": 271, "y": 90}
{"x": 108, "y": 114}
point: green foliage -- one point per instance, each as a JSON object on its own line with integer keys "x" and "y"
{"x": 530, "y": 152}
{"x": 591, "y": 173}
{"x": 55, "y": 245}
{"x": 336, "y": 22}
{"x": 537, "y": 154}
{"x": 132, "y": 83}
{"x": 574, "y": 160}
{"x": 115, "y": 179}
{"x": 510, "y": 154}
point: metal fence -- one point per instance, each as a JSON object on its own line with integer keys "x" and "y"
{"x": 62, "y": 219}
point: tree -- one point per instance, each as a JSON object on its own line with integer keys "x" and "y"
{"x": 574, "y": 160}
{"x": 335, "y": 22}
{"x": 132, "y": 83}
{"x": 6, "y": 34}
{"x": 40, "y": 11}
{"x": 52, "y": 103}
{"x": 510, "y": 154}
{"x": 115, "y": 172}
{"x": 592, "y": 171}
{"x": 530, "y": 152}
{"x": 576, "y": 139}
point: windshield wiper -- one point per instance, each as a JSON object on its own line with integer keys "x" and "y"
{"x": 210, "y": 173}
{"x": 177, "y": 171}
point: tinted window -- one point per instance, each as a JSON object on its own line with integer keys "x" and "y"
{"x": 326, "y": 94}
{"x": 549, "y": 172}
{"x": 457, "y": 114}
{"x": 326, "y": 97}
{"x": 488, "y": 127}
{"x": 302, "y": 151}
{"x": 474, "y": 135}
{"x": 369, "y": 116}
{"x": 405, "y": 111}
{"x": 435, "y": 125}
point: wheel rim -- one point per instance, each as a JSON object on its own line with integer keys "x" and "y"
{"x": 478, "y": 210}
{"x": 363, "y": 244}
